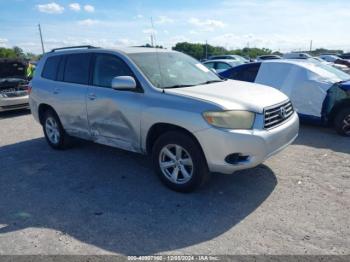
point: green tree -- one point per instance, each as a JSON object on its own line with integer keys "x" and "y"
{"x": 251, "y": 52}
{"x": 7, "y": 53}
{"x": 150, "y": 46}
{"x": 19, "y": 52}
{"x": 194, "y": 50}
{"x": 32, "y": 56}
{"x": 199, "y": 51}
{"x": 320, "y": 51}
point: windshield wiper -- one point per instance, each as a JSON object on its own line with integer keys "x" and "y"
{"x": 205, "y": 83}
{"x": 211, "y": 81}
{"x": 176, "y": 86}
{"x": 343, "y": 81}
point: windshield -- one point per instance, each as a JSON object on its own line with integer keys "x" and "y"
{"x": 334, "y": 57}
{"x": 329, "y": 72}
{"x": 316, "y": 60}
{"x": 242, "y": 59}
{"x": 171, "y": 69}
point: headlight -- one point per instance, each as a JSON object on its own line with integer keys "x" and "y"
{"x": 231, "y": 119}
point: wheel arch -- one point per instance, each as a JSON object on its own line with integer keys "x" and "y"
{"x": 158, "y": 129}
{"x": 345, "y": 103}
{"x": 44, "y": 108}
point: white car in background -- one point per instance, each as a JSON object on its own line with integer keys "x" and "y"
{"x": 320, "y": 93}
{"x": 305, "y": 56}
{"x": 221, "y": 65}
{"x": 338, "y": 66}
{"x": 330, "y": 58}
{"x": 267, "y": 57}
{"x": 296, "y": 55}
{"x": 237, "y": 58}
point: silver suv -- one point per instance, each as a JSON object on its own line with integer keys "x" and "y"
{"x": 162, "y": 103}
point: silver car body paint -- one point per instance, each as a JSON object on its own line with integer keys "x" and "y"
{"x": 123, "y": 118}
{"x": 13, "y": 103}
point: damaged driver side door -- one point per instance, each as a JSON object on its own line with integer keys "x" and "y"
{"x": 113, "y": 115}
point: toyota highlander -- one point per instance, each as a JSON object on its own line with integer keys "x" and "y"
{"x": 163, "y": 103}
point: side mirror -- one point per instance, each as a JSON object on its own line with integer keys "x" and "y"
{"x": 123, "y": 83}
{"x": 213, "y": 70}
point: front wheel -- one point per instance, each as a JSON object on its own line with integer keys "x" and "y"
{"x": 179, "y": 162}
{"x": 342, "y": 122}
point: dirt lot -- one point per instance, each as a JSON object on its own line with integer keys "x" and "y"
{"x": 94, "y": 199}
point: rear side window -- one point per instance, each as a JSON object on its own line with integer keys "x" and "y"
{"x": 246, "y": 73}
{"x": 51, "y": 67}
{"x": 77, "y": 69}
{"x": 107, "y": 67}
{"x": 222, "y": 66}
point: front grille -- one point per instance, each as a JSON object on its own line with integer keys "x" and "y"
{"x": 276, "y": 115}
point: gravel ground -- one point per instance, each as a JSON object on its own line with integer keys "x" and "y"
{"x": 93, "y": 199}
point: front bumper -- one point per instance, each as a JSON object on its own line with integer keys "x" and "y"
{"x": 258, "y": 145}
{"x": 13, "y": 103}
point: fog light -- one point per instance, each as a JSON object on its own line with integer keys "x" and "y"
{"x": 236, "y": 158}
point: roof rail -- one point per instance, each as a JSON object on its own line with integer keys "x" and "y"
{"x": 73, "y": 47}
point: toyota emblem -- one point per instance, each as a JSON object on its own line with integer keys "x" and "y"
{"x": 283, "y": 112}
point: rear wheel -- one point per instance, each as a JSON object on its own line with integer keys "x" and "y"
{"x": 342, "y": 122}
{"x": 54, "y": 132}
{"x": 179, "y": 162}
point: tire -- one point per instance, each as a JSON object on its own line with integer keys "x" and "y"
{"x": 342, "y": 122}
{"x": 55, "y": 135}
{"x": 177, "y": 153}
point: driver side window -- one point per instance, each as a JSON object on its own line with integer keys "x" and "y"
{"x": 107, "y": 67}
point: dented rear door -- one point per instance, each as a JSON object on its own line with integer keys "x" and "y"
{"x": 67, "y": 95}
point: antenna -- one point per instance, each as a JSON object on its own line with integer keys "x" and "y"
{"x": 152, "y": 40}
{"x": 157, "y": 55}
{"x": 153, "y": 35}
{"x": 41, "y": 39}
{"x": 206, "y": 49}
{"x": 310, "y": 45}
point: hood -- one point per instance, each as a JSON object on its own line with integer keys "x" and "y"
{"x": 12, "y": 69}
{"x": 234, "y": 95}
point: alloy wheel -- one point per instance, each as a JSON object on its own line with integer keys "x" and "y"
{"x": 176, "y": 164}
{"x": 52, "y": 130}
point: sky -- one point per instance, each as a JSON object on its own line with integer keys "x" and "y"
{"x": 280, "y": 25}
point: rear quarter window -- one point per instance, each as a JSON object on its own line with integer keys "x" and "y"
{"x": 51, "y": 67}
{"x": 246, "y": 73}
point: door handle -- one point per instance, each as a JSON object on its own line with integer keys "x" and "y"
{"x": 92, "y": 96}
{"x": 56, "y": 91}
